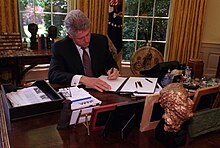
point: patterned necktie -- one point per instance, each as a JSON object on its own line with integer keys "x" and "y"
{"x": 87, "y": 63}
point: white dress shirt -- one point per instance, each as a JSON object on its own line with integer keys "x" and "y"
{"x": 76, "y": 78}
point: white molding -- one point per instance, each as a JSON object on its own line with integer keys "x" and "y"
{"x": 210, "y": 53}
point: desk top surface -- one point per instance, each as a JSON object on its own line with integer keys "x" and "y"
{"x": 40, "y": 131}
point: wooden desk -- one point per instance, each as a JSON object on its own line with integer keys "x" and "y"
{"x": 15, "y": 60}
{"x": 41, "y": 132}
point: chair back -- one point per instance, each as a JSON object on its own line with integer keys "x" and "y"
{"x": 152, "y": 113}
{"x": 10, "y": 41}
{"x": 204, "y": 122}
{"x": 206, "y": 98}
{"x": 145, "y": 58}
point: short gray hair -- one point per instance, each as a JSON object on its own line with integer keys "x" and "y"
{"x": 76, "y": 20}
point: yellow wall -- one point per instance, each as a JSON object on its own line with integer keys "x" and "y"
{"x": 211, "y": 32}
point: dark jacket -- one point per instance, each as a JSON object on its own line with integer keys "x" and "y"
{"x": 66, "y": 61}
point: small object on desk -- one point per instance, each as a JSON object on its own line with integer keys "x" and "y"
{"x": 24, "y": 44}
{"x": 148, "y": 80}
{"x": 139, "y": 83}
{"x": 81, "y": 99}
{"x": 192, "y": 84}
{"x": 136, "y": 84}
{"x": 112, "y": 70}
{"x": 65, "y": 115}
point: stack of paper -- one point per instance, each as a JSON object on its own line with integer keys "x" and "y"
{"x": 80, "y": 98}
{"x": 27, "y": 96}
{"x": 157, "y": 91}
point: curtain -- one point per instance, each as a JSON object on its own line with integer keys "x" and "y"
{"x": 9, "y": 16}
{"x": 186, "y": 26}
{"x": 97, "y": 12}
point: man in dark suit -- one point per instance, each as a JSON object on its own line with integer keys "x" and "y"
{"x": 68, "y": 65}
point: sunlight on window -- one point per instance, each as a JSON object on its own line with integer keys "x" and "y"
{"x": 44, "y": 13}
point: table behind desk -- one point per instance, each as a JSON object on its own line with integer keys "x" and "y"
{"x": 15, "y": 61}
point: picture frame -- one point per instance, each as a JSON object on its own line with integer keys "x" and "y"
{"x": 122, "y": 120}
{"x": 100, "y": 115}
{"x": 152, "y": 113}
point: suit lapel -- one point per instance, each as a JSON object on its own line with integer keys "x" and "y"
{"x": 74, "y": 54}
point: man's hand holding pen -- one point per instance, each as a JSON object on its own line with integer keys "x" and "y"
{"x": 113, "y": 73}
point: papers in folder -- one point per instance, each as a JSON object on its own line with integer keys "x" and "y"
{"x": 132, "y": 84}
{"x": 80, "y": 98}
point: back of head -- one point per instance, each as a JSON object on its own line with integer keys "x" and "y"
{"x": 76, "y": 20}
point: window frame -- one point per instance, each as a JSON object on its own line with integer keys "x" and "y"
{"x": 138, "y": 17}
{"x": 51, "y": 13}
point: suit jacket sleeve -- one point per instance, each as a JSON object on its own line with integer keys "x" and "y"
{"x": 65, "y": 62}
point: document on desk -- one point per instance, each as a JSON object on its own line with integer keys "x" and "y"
{"x": 115, "y": 84}
{"x": 132, "y": 84}
{"x": 76, "y": 116}
{"x": 27, "y": 96}
{"x": 80, "y": 98}
{"x": 157, "y": 91}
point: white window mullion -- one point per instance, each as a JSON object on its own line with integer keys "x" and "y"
{"x": 51, "y": 11}
{"x": 34, "y": 11}
{"x": 152, "y": 27}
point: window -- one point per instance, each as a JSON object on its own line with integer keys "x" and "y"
{"x": 44, "y": 13}
{"x": 144, "y": 20}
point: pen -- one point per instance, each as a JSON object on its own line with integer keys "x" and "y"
{"x": 135, "y": 84}
{"x": 148, "y": 80}
{"x": 139, "y": 83}
{"x": 81, "y": 99}
{"x": 112, "y": 70}
{"x": 70, "y": 94}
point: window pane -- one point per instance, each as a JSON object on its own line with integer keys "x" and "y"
{"x": 44, "y": 13}
{"x": 160, "y": 28}
{"x": 60, "y": 6}
{"x": 39, "y": 17}
{"x": 24, "y": 24}
{"x": 145, "y": 25}
{"x": 129, "y": 31}
{"x": 146, "y": 7}
{"x": 144, "y": 30}
{"x": 25, "y": 3}
{"x": 41, "y": 24}
{"x": 128, "y": 49}
{"x": 140, "y": 44}
{"x": 40, "y": 2}
{"x": 162, "y": 8}
{"x": 48, "y": 22}
{"x": 47, "y": 7}
{"x": 58, "y": 22}
{"x": 159, "y": 46}
{"x": 131, "y": 7}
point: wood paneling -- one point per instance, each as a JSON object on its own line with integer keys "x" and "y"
{"x": 210, "y": 53}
